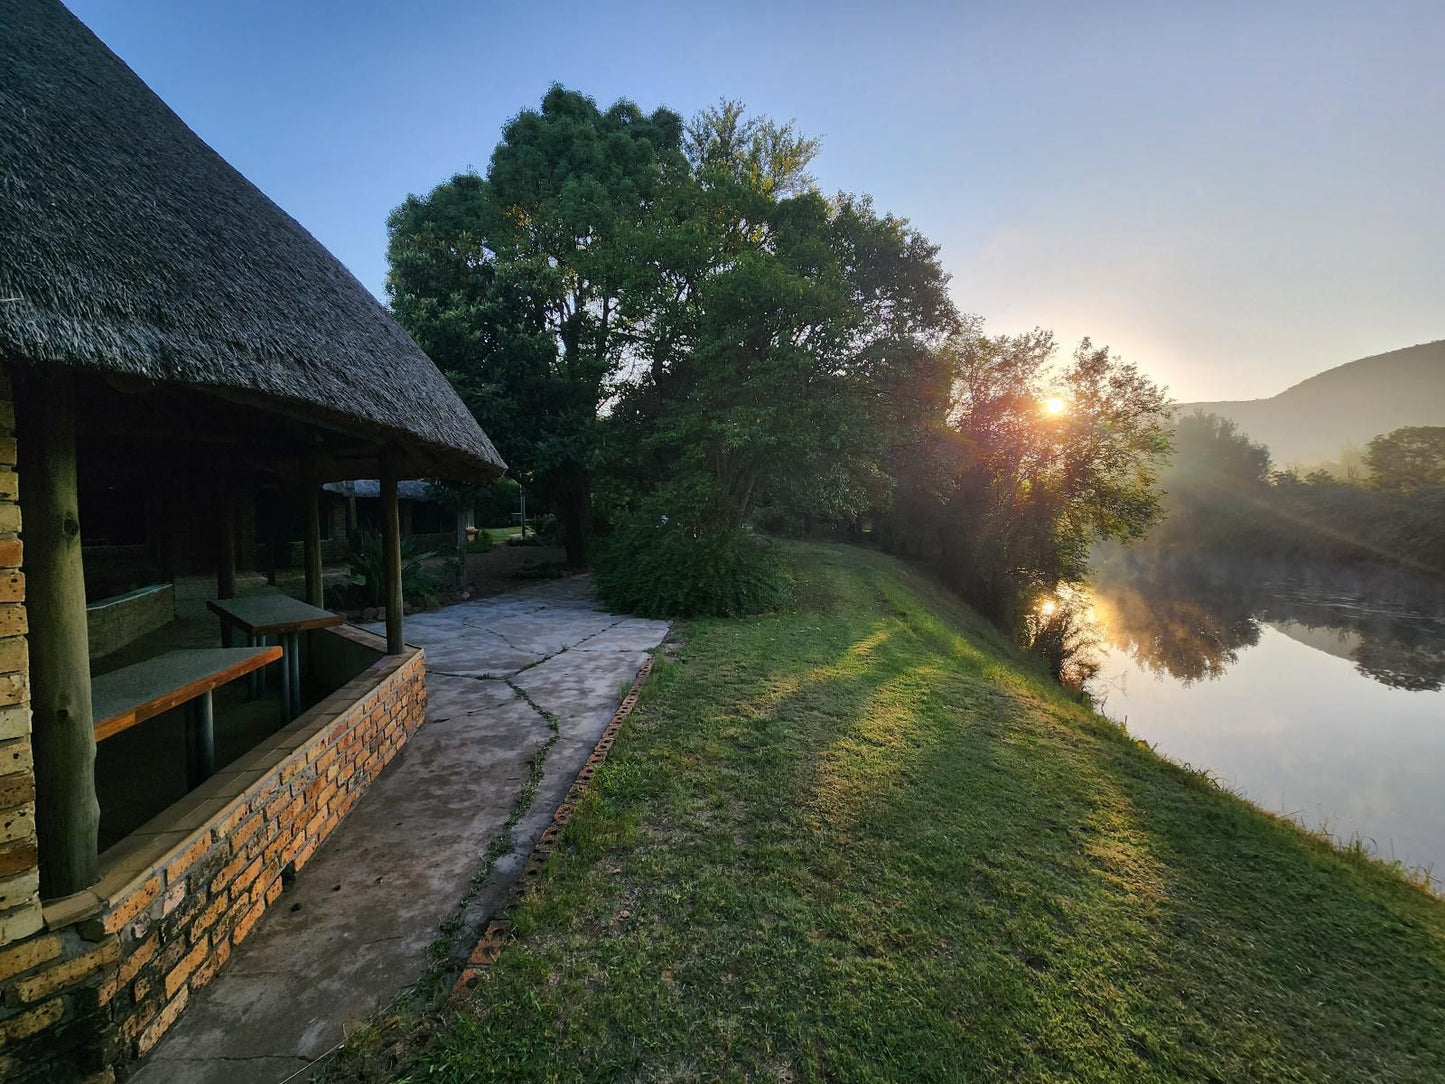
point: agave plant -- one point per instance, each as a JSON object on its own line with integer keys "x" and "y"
{"x": 368, "y": 570}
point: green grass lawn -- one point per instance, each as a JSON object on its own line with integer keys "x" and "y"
{"x": 862, "y": 841}
{"x": 499, "y": 535}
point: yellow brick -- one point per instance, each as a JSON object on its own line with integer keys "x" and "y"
{"x": 15, "y": 756}
{"x": 162, "y": 1022}
{"x": 207, "y": 970}
{"x": 14, "y": 722}
{"x": 28, "y": 1023}
{"x": 182, "y": 971}
{"x": 21, "y": 922}
{"x": 14, "y": 688}
{"x": 13, "y": 654}
{"x": 54, "y": 979}
{"x": 28, "y": 954}
{"x": 133, "y": 904}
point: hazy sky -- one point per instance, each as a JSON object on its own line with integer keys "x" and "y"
{"x": 1235, "y": 196}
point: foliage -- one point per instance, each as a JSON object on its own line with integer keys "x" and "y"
{"x": 659, "y": 568}
{"x": 1222, "y": 497}
{"x": 492, "y": 505}
{"x": 367, "y": 570}
{"x": 1011, "y": 496}
{"x": 859, "y": 841}
{"x": 1408, "y": 460}
{"x": 1188, "y": 614}
{"x": 672, "y": 317}
{"x": 518, "y": 284}
{"x": 790, "y": 343}
{"x": 1058, "y": 630}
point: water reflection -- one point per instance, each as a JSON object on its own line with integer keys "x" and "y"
{"x": 1190, "y": 618}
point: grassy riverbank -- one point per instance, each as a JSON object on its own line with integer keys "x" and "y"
{"x": 863, "y": 842}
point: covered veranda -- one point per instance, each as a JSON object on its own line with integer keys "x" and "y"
{"x": 72, "y": 424}
{"x": 179, "y": 348}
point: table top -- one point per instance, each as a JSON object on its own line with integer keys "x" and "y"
{"x": 273, "y": 612}
{"x": 133, "y": 694}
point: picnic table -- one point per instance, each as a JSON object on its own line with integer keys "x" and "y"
{"x": 274, "y": 614}
{"x": 122, "y": 698}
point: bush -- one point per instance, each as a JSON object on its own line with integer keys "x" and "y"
{"x": 367, "y": 565}
{"x": 1059, "y": 632}
{"x": 659, "y": 569}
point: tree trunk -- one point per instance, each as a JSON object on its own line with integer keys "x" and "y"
{"x": 572, "y": 517}
{"x": 67, "y": 815}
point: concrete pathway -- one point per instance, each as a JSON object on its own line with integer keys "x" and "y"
{"x": 353, "y": 930}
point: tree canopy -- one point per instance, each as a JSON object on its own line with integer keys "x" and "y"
{"x": 520, "y": 284}
{"x": 672, "y": 327}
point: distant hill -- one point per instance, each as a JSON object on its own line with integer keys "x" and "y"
{"x": 1310, "y": 422}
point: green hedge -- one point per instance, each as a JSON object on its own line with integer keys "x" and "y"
{"x": 661, "y": 569}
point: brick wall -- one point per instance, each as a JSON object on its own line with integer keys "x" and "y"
{"x": 19, "y": 873}
{"x": 91, "y": 982}
{"x": 112, "y": 623}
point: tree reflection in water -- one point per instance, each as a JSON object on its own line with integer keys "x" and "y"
{"x": 1190, "y": 617}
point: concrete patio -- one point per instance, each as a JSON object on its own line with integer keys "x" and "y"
{"x": 353, "y": 929}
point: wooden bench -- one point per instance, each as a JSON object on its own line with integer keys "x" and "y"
{"x": 122, "y": 698}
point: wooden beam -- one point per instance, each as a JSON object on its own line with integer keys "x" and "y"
{"x": 391, "y": 551}
{"x": 311, "y": 540}
{"x": 67, "y": 815}
{"x": 463, "y": 515}
{"x": 225, "y": 542}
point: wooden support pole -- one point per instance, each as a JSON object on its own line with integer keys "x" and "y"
{"x": 225, "y": 551}
{"x": 311, "y": 541}
{"x": 391, "y": 552}
{"x": 273, "y": 535}
{"x": 225, "y": 542}
{"x": 67, "y": 815}
{"x": 462, "y": 515}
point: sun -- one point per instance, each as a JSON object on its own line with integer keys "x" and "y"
{"x": 1054, "y": 406}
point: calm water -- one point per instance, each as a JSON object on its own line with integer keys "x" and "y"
{"x": 1313, "y": 694}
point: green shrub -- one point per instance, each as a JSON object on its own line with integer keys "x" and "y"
{"x": 367, "y": 566}
{"x": 482, "y": 543}
{"x": 659, "y": 569}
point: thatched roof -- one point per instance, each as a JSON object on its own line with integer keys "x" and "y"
{"x": 128, "y": 246}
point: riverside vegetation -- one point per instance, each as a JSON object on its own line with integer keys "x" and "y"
{"x": 866, "y": 839}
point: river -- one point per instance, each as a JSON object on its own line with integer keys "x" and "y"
{"x": 1313, "y": 692}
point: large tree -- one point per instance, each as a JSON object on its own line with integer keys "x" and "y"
{"x": 791, "y": 338}
{"x": 1408, "y": 460}
{"x": 520, "y": 284}
{"x": 1039, "y": 465}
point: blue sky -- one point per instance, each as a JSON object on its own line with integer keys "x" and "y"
{"x": 1234, "y": 196}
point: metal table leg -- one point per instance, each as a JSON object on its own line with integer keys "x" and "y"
{"x": 253, "y": 679}
{"x": 285, "y": 679}
{"x": 200, "y": 740}
{"x": 293, "y": 662}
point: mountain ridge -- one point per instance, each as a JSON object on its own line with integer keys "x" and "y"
{"x": 1312, "y": 421}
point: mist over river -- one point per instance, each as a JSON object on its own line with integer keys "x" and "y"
{"x": 1312, "y": 691}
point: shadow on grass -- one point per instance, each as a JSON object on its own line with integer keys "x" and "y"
{"x": 861, "y": 842}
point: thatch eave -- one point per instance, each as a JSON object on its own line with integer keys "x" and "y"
{"x": 130, "y": 248}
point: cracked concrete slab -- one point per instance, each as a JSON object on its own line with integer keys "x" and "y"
{"x": 353, "y": 930}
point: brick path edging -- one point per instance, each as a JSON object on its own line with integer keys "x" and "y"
{"x": 494, "y": 937}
